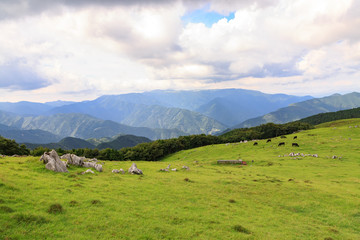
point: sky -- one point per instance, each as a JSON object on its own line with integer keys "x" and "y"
{"x": 79, "y": 50}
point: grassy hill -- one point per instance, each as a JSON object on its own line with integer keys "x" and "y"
{"x": 332, "y": 116}
{"x": 305, "y": 109}
{"x": 273, "y": 197}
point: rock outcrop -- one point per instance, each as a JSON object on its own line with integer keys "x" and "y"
{"x": 73, "y": 159}
{"x": 53, "y": 162}
{"x": 134, "y": 170}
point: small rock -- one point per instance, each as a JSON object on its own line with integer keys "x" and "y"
{"x": 186, "y": 168}
{"x": 134, "y": 170}
{"x": 174, "y": 169}
{"x": 115, "y": 171}
{"x": 88, "y": 171}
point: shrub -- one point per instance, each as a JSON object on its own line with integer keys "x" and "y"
{"x": 5, "y": 209}
{"x": 28, "y": 219}
{"x": 241, "y": 229}
{"x": 55, "y": 208}
{"x": 94, "y": 202}
{"x": 73, "y": 203}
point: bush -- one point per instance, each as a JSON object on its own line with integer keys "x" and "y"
{"x": 241, "y": 229}
{"x": 55, "y": 208}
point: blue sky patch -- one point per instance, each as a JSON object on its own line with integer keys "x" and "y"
{"x": 205, "y": 16}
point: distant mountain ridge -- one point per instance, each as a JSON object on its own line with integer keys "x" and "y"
{"x": 70, "y": 143}
{"x": 208, "y": 111}
{"x": 81, "y": 126}
{"x": 305, "y": 109}
{"x": 123, "y": 141}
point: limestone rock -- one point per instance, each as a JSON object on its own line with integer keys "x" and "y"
{"x": 73, "y": 159}
{"x": 53, "y": 162}
{"x": 134, "y": 170}
{"x": 186, "y": 168}
{"x": 98, "y": 167}
{"x": 88, "y": 171}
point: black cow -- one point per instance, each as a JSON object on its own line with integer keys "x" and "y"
{"x": 281, "y": 144}
{"x": 295, "y": 145}
{"x": 269, "y": 140}
{"x": 255, "y": 143}
{"x": 295, "y": 137}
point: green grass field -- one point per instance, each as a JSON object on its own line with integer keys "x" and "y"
{"x": 273, "y": 197}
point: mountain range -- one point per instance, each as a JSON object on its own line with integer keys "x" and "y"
{"x": 160, "y": 114}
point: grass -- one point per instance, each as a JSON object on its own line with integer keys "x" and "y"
{"x": 271, "y": 198}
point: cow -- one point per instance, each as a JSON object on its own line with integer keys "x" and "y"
{"x": 269, "y": 140}
{"x": 255, "y": 143}
{"x": 281, "y": 144}
{"x": 295, "y": 137}
{"x": 295, "y": 145}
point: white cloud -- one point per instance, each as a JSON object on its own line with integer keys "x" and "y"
{"x": 125, "y": 46}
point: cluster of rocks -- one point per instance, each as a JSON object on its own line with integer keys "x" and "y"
{"x": 173, "y": 169}
{"x": 292, "y": 154}
{"x": 72, "y": 159}
{"x": 118, "y": 171}
{"x": 133, "y": 170}
{"x": 54, "y": 163}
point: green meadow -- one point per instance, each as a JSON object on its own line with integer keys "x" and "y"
{"x": 272, "y": 197}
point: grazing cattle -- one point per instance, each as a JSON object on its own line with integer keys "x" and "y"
{"x": 255, "y": 143}
{"x": 281, "y": 144}
{"x": 295, "y": 145}
{"x": 269, "y": 140}
{"x": 295, "y": 137}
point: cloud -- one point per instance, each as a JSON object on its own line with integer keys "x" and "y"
{"x": 108, "y": 47}
{"x": 19, "y": 76}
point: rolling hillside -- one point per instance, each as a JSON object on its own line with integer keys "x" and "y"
{"x": 305, "y": 109}
{"x": 274, "y": 196}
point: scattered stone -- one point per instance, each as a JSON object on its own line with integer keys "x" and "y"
{"x": 122, "y": 171}
{"x": 334, "y": 157}
{"x": 115, "y": 171}
{"x": 89, "y": 164}
{"x": 134, "y": 170}
{"x": 174, "y": 169}
{"x": 88, "y": 171}
{"x": 98, "y": 167}
{"x": 53, "y": 162}
{"x": 165, "y": 169}
{"x": 186, "y": 168}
